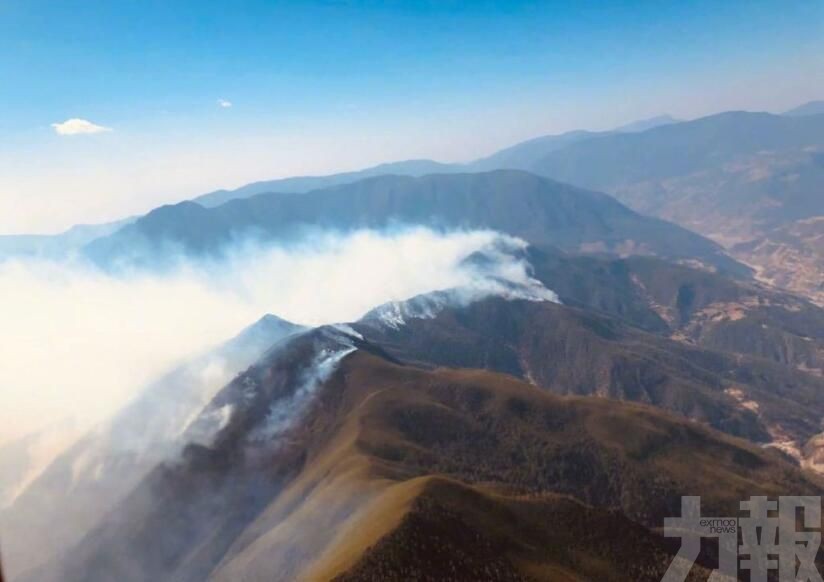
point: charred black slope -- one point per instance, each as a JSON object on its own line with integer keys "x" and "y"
{"x": 382, "y": 456}
{"x": 536, "y": 209}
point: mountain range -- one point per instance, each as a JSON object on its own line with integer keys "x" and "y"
{"x": 669, "y": 341}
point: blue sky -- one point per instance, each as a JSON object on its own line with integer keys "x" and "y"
{"x": 324, "y": 86}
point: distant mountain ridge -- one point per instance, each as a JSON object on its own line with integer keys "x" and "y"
{"x": 536, "y": 209}
{"x": 810, "y": 108}
{"x": 527, "y": 155}
{"x": 523, "y": 155}
{"x": 645, "y": 124}
{"x": 519, "y": 156}
{"x": 307, "y": 183}
{"x": 57, "y": 245}
{"x": 612, "y": 161}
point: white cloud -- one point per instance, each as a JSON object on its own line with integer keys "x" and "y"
{"x": 224, "y": 103}
{"x": 76, "y": 126}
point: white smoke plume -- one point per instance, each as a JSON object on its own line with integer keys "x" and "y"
{"x": 78, "y": 343}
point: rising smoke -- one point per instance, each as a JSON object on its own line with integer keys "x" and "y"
{"x": 78, "y": 343}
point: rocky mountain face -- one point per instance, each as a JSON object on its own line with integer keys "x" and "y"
{"x": 740, "y": 198}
